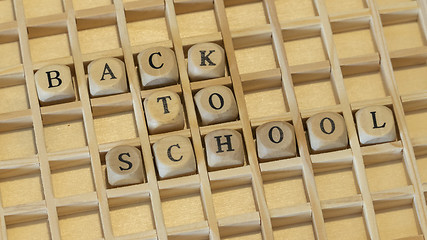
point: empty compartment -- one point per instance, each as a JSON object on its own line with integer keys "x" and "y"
{"x": 146, "y": 26}
{"x": 351, "y": 227}
{"x": 245, "y": 14}
{"x": 14, "y": 98}
{"x": 298, "y": 231}
{"x": 295, "y": 9}
{"x": 19, "y": 143}
{"x": 397, "y": 222}
{"x": 262, "y": 103}
{"x": 6, "y": 11}
{"x": 304, "y": 46}
{"x": 315, "y": 94}
{"x": 82, "y": 4}
{"x": 255, "y": 54}
{"x": 365, "y": 86}
{"x": 80, "y": 225}
{"x": 411, "y": 79}
{"x": 49, "y": 47}
{"x": 355, "y": 43}
{"x": 384, "y": 3}
{"x": 337, "y": 6}
{"x": 403, "y": 35}
{"x": 11, "y": 54}
{"x": 196, "y": 19}
{"x": 37, "y": 8}
{"x": 21, "y": 186}
{"x": 415, "y": 122}
{"x": 183, "y": 207}
{"x": 385, "y": 174}
{"x": 247, "y": 236}
{"x": 71, "y": 178}
{"x": 334, "y": 184}
{"x": 422, "y": 167}
{"x": 35, "y": 229}
{"x": 115, "y": 127}
{"x": 130, "y": 216}
{"x": 233, "y": 200}
{"x": 63, "y": 130}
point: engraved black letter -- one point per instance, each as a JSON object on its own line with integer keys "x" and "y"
{"x": 127, "y": 162}
{"x": 204, "y": 58}
{"x": 170, "y": 153}
{"x": 322, "y": 127}
{"x": 165, "y": 103}
{"x": 270, "y": 134}
{"x": 150, "y": 60}
{"x": 374, "y": 119}
{"x": 221, "y": 101}
{"x": 107, "y": 70}
{"x": 49, "y": 78}
{"x": 228, "y": 143}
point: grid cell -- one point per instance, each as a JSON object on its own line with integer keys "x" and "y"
{"x": 386, "y": 175}
{"x": 115, "y": 127}
{"x": 351, "y": 227}
{"x": 73, "y": 180}
{"x": 14, "y": 98}
{"x": 295, "y": 9}
{"x": 6, "y": 11}
{"x": 37, "y": 230}
{"x": 183, "y": 210}
{"x": 196, "y": 23}
{"x": 233, "y": 201}
{"x": 17, "y": 144}
{"x": 245, "y": 15}
{"x": 249, "y": 58}
{"x": 21, "y": 189}
{"x": 354, "y": 43}
{"x": 147, "y": 30}
{"x": 89, "y": 39}
{"x": 299, "y": 231}
{"x": 305, "y": 51}
{"x": 365, "y": 86}
{"x": 336, "y": 6}
{"x": 84, "y": 225}
{"x": 11, "y": 54}
{"x": 415, "y": 123}
{"x": 131, "y": 218}
{"x": 314, "y": 94}
{"x": 384, "y": 3}
{"x": 49, "y": 47}
{"x": 38, "y": 8}
{"x": 392, "y": 226}
{"x": 266, "y": 102}
{"x": 336, "y": 184}
{"x": 411, "y": 79}
{"x": 292, "y": 189}
{"x": 65, "y": 135}
{"x": 396, "y": 36}
{"x": 85, "y": 4}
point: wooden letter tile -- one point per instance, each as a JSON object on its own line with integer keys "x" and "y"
{"x": 124, "y": 166}
{"x": 327, "y": 131}
{"x": 158, "y": 67}
{"x": 54, "y": 84}
{"x": 216, "y": 104}
{"x": 375, "y": 124}
{"x": 107, "y": 76}
{"x": 275, "y": 140}
{"x": 164, "y": 112}
{"x": 224, "y": 148}
{"x": 174, "y": 156}
{"x": 206, "y": 61}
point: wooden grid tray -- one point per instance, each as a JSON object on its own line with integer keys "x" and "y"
{"x": 287, "y": 60}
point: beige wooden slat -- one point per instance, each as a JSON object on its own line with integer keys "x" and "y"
{"x": 408, "y": 151}
{"x": 205, "y": 188}
{"x": 37, "y": 120}
{"x": 358, "y": 164}
{"x": 3, "y": 231}
{"x": 88, "y": 120}
{"x": 257, "y": 183}
{"x": 140, "y": 121}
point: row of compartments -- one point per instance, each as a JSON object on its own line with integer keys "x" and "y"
{"x": 233, "y": 198}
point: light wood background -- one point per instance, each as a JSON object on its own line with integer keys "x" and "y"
{"x": 286, "y": 60}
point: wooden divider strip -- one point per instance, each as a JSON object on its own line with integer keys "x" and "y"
{"x": 140, "y": 120}
{"x": 257, "y": 183}
{"x": 100, "y": 187}
{"x": 358, "y": 164}
{"x": 205, "y": 188}
{"x": 3, "y": 230}
{"x": 408, "y": 151}
{"x": 52, "y": 213}
{"x": 288, "y": 88}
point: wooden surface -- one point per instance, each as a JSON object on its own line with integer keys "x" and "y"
{"x": 287, "y": 60}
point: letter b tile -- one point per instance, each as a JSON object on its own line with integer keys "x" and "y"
{"x": 224, "y": 148}
{"x": 327, "y": 131}
{"x": 375, "y": 124}
{"x": 174, "y": 156}
{"x": 216, "y": 104}
{"x": 54, "y": 84}
{"x": 124, "y": 166}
